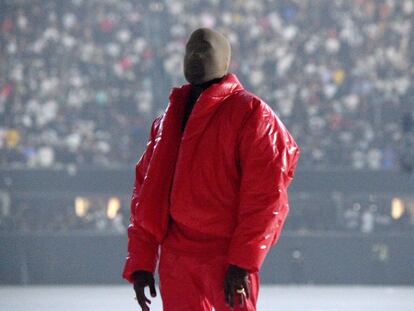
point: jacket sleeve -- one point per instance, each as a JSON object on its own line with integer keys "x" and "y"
{"x": 267, "y": 157}
{"x": 142, "y": 246}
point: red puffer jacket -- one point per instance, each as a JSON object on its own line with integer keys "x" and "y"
{"x": 226, "y": 176}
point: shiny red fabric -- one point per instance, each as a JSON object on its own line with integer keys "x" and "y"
{"x": 226, "y": 176}
{"x": 189, "y": 283}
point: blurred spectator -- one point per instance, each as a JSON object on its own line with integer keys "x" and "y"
{"x": 352, "y": 217}
{"x": 368, "y": 219}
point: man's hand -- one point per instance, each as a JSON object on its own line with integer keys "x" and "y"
{"x": 143, "y": 279}
{"x": 236, "y": 283}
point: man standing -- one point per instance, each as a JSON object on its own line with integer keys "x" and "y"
{"x": 210, "y": 190}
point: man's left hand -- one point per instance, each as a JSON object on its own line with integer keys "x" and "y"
{"x": 236, "y": 282}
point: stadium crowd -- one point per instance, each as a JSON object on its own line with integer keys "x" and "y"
{"x": 80, "y": 81}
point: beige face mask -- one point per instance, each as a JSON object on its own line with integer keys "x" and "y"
{"x": 207, "y": 56}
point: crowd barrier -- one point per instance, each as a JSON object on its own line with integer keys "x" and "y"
{"x": 329, "y": 258}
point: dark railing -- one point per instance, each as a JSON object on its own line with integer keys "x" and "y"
{"x": 121, "y": 180}
{"x": 328, "y": 258}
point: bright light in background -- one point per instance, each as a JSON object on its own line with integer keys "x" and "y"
{"x": 81, "y": 206}
{"x": 397, "y": 208}
{"x": 114, "y": 204}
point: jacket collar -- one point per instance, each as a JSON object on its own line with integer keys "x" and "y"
{"x": 208, "y": 102}
{"x": 228, "y": 85}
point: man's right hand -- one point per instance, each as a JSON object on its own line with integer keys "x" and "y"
{"x": 143, "y": 279}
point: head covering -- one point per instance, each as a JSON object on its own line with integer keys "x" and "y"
{"x": 207, "y": 56}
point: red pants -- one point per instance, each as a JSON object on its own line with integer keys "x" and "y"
{"x": 192, "y": 280}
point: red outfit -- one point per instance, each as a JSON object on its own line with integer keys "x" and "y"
{"x": 194, "y": 283}
{"x": 219, "y": 189}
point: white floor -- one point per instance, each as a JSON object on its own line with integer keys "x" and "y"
{"x": 271, "y": 298}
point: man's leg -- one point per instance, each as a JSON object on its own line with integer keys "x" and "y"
{"x": 180, "y": 290}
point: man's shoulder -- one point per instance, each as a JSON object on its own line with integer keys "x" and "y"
{"x": 157, "y": 121}
{"x": 244, "y": 97}
{"x": 248, "y": 102}
{"x": 156, "y": 124}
